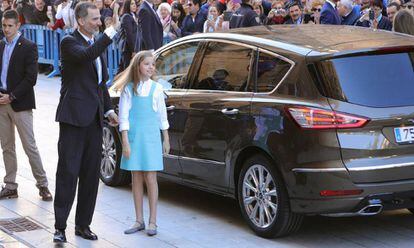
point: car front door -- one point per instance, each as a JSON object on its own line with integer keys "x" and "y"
{"x": 217, "y": 108}
{"x": 173, "y": 65}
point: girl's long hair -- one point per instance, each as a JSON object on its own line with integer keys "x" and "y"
{"x": 131, "y": 74}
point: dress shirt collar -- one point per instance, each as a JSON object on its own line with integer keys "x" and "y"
{"x": 14, "y": 39}
{"x": 331, "y": 3}
{"x": 85, "y": 37}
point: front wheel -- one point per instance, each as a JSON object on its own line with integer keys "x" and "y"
{"x": 264, "y": 201}
{"x": 110, "y": 171}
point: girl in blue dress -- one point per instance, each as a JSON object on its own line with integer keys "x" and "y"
{"x": 142, "y": 115}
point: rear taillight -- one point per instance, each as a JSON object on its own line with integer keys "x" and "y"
{"x": 313, "y": 118}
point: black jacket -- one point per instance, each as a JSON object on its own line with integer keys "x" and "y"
{"x": 189, "y": 27}
{"x": 149, "y": 35}
{"x": 384, "y": 24}
{"x": 22, "y": 73}
{"x": 81, "y": 97}
{"x": 129, "y": 27}
{"x": 244, "y": 17}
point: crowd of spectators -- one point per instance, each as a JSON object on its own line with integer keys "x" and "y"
{"x": 185, "y": 17}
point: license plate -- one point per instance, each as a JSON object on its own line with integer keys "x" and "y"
{"x": 404, "y": 134}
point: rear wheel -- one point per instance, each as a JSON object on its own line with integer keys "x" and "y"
{"x": 264, "y": 201}
{"x": 110, "y": 171}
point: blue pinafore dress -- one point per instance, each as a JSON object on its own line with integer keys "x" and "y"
{"x": 143, "y": 135}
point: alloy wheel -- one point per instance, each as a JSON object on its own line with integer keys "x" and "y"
{"x": 260, "y": 196}
{"x": 108, "y": 162}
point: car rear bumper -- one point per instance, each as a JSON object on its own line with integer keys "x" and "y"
{"x": 390, "y": 195}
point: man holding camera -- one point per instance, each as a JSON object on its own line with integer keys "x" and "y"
{"x": 18, "y": 76}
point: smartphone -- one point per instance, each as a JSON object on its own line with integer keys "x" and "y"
{"x": 236, "y": 1}
{"x": 371, "y": 15}
{"x": 227, "y": 15}
{"x": 210, "y": 17}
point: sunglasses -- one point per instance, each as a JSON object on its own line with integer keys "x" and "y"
{"x": 407, "y": 6}
{"x": 189, "y": 4}
{"x": 316, "y": 10}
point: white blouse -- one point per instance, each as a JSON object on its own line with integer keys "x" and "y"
{"x": 158, "y": 104}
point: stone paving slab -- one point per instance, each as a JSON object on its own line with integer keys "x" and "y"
{"x": 186, "y": 217}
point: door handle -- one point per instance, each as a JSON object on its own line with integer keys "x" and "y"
{"x": 171, "y": 107}
{"x": 230, "y": 111}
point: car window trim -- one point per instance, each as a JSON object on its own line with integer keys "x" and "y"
{"x": 202, "y": 51}
{"x": 292, "y": 65}
{"x": 200, "y": 47}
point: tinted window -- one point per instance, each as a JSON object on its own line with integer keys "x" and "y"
{"x": 385, "y": 80}
{"x": 224, "y": 67}
{"x": 173, "y": 65}
{"x": 270, "y": 71}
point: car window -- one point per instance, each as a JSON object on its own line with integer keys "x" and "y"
{"x": 379, "y": 80}
{"x": 270, "y": 71}
{"x": 224, "y": 67}
{"x": 173, "y": 65}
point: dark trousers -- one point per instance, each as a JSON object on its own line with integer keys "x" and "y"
{"x": 80, "y": 150}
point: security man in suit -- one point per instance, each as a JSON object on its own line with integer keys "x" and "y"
{"x": 18, "y": 76}
{"x": 84, "y": 102}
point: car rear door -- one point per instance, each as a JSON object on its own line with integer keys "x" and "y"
{"x": 379, "y": 88}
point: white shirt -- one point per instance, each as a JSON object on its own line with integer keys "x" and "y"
{"x": 158, "y": 104}
{"x": 67, "y": 14}
{"x": 110, "y": 32}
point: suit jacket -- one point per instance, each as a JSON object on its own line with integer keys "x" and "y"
{"x": 81, "y": 97}
{"x": 150, "y": 33}
{"x": 329, "y": 15}
{"x": 22, "y": 73}
{"x": 188, "y": 27}
{"x": 384, "y": 24}
{"x": 352, "y": 18}
{"x": 129, "y": 27}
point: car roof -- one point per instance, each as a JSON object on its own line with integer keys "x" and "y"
{"x": 318, "y": 40}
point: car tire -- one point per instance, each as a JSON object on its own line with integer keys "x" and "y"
{"x": 266, "y": 209}
{"x": 110, "y": 172}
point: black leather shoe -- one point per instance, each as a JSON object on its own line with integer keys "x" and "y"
{"x": 85, "y": 232}
{"x": 59, "y": 236}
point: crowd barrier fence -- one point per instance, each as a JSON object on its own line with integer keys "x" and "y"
{"x": 48, "y": 45}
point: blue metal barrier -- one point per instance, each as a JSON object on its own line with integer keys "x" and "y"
{"x": 48, "y": 45}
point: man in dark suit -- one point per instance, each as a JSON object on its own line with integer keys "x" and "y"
{"x": 83, "y": 103}
{"x": 18, "y": 66}
{"x": 329, "y": 13}
{"x": 348, "y": 12}
{"x": 194, "y": 21}
{"x": 296, "y": 14}
{"x": 150, "y": 32}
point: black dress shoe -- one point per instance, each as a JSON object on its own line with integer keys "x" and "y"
{"x": 59, "y": 236}
{"x": 85, "y": 232}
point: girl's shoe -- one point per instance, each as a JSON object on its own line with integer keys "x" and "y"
{"x": 152, "y": 229}
{"x": 138, "y": 226}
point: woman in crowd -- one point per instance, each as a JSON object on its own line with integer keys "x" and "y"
{"x": 129, "y": 28}
{"x": 177, "y": 13}
{"x": 258, "y": 8}
{"x": 170, "y": 28}
{"x": 142, "y": 114}
{"x": 66, "y": 13}
{"x": 316, "y": 10}
{"x": 379, "y": 21}
{"x": 210, "y": 25}
{"x": 404, "y": 22}
{"x": 277, "y": 14}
